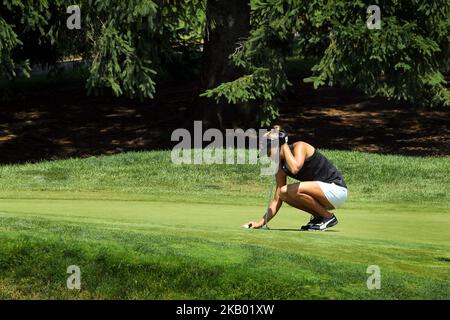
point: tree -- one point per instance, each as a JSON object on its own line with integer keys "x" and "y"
{"x": 132, "y": 41}
{"x": 22, "y": 21}
{"x": 129, "y": 44}
{"x": 228, "y": 25}
{"x": 405, "y": 60}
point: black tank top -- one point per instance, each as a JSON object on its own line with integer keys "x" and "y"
{"x": 316, "y": 168}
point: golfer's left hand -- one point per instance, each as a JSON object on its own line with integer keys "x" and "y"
{"x": 254, "y": 225}
{"x": 283, "y": 138}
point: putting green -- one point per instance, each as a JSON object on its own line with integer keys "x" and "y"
{"x": 205, "y": 241}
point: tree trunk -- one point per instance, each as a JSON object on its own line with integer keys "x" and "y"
{"x": 228, "y": 22}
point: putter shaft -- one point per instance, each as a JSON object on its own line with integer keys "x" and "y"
{"x": 266, "y": 226}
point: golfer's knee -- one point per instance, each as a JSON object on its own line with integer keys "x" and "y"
{"x": 293, "y": 190}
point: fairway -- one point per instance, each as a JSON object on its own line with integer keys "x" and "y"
{"x": 161, "y": 242}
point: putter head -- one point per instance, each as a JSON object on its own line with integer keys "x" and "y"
{"x": 265, "y": 227}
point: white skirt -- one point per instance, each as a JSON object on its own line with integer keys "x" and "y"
{"x": 335, "y": 194}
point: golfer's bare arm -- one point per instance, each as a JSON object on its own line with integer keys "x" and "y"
{"x": 295, "y": 161}
{"x": 276, "y": 203}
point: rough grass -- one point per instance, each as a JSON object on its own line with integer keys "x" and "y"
{"x": 371, "y": 177}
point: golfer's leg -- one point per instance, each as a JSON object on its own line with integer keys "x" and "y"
{"x": 293, "y": 203}
{"x": 313, "y": 189}
{"x": 304, "y": 201}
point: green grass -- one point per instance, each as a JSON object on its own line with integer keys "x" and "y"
{"x": 141, "y": 227}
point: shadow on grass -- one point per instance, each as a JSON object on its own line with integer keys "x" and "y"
{"x": 55, "y": 119}
{"x": 297, "y": 230}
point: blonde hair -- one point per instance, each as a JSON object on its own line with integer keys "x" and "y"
{"x": 273, "y": 133}
{"x": 277, "y": 127}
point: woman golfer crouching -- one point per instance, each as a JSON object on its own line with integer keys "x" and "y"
{"x": 321, "y": 187}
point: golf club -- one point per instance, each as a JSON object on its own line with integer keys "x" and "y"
{"x": 266, "y": 225}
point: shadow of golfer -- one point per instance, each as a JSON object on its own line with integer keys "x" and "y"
{"x": 297, "y": 230}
